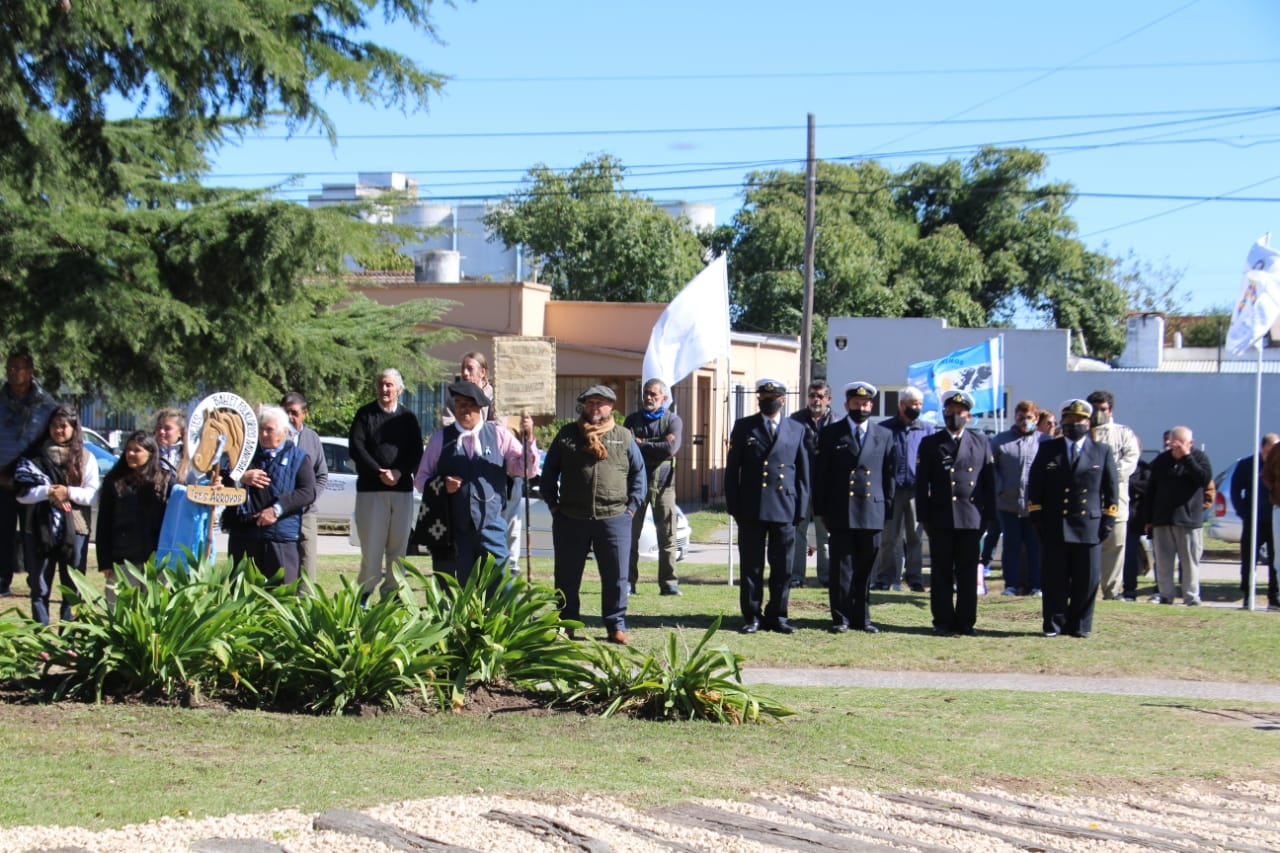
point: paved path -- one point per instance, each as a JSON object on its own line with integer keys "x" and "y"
{"x": 838, "y": 677}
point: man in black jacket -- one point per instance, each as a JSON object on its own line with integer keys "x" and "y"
{"x": 814, "y": 417}
{"x": 1241, "y": 499}
{"x": 1174, "y": 514}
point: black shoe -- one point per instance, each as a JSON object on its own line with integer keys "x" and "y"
{"x": 1053, "y": 632}
{"x": 880, "y": 587}
{"x": 779, "y": 626}
{"x": 6, "y": 593}
{"x": 1079, "y": 635}
{"x": 838, "y": 629}
{"x": 870, "y": 629}
{"x": 941, "y": 632}
{"x": 750, "y": 626}
{"x": 633, "y": 589}
{"x": 966, "y": 632}
{"x": 670, "y": 589}
{"x": 916, "y": 587}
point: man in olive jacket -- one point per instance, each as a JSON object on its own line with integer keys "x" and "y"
{"x": 593, "y": 483}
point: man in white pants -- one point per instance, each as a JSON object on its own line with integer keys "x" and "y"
{"x": 1126, "y": 450}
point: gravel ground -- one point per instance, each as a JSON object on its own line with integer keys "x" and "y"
{"x": 1240, "y": 816}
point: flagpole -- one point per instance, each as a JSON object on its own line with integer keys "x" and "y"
{"x": 1251, "y": 595}
{"x": 728, "y": 415}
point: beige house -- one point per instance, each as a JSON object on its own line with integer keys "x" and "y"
{"x": 604, "y": 342}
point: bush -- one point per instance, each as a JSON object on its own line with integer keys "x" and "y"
{"x": 173, "y": 635}
{"x": 330, "y": 652}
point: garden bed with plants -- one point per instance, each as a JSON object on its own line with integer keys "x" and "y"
{"x": 222, "y": 636}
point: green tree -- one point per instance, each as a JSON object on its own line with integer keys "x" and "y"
{"x": 971, "y": 242}
{"x": 594, "y": 240}
{"x": 119, "y": 271}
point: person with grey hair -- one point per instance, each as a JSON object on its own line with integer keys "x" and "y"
{"x": 901, "y": 547}
{"x": 280, "y": 484}
{"x": 658, "y": 431}
{"x": 385, "y": 442}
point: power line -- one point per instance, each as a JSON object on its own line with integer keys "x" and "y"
{"x": 866, "y": 72}
{"x": 1229, "y": 195}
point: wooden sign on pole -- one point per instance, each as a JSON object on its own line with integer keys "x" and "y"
{"x": 524, "y": 382}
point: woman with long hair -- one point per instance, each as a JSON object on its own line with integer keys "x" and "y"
{"x": 56, "y": 480}
{"x": 131, "y": 510}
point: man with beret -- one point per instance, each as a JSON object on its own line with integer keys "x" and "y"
{"x": 593, "y": 484}
{"x": 767, "y": 490}
{"x": 465, "y": 466}
{"x": 853, "y": 490}
{"x": 956, "y": 499}
{"x": 1071, "y": 497}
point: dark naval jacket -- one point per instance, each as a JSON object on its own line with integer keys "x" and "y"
{"x": 955, "y": 482}
{"x": 1073, "y": 502}
{"x": 854, "y": 488}
{"x": 767, "y": 479}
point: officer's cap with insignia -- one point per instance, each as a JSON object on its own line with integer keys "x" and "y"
{"x": 770, "y": 388}
{"x": 860, "y": 391}
{"x": 1077, "y": 407}
{"x": 955, "y": 395}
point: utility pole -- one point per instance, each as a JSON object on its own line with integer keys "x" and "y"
{"x": 810, "y": 235}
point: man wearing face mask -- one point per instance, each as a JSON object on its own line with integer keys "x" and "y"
{"x": 767, "y": 491}
{"x": 956, "y": 499}
{"x": 1126, "y": 450}
{"x": 901, "y": 544}
{"x": 1072, "y": 495}
{"x": 853, "y": 492}
{"x": 1014, "y": 450}
{"x": 815, "y": 417}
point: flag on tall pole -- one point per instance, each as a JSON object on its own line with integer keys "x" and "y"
{"x": 1259, "y": 305}
{"x": 694, "y": 328}
{"x": 979, "y": 370}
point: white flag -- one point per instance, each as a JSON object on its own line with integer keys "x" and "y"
{"x": 1259, "y": 305}
{"x": 694, "y": 328}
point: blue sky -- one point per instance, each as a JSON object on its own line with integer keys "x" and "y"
{"x": 1176, "y": 99}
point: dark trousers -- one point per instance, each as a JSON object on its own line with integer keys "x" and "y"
{"x": 40, "y": 572}
{"x": 989, "y": 543}
{"x": 610, "y": 539}
{"x": 756, "y": 541}
{"x": 1020, "y": 533}
{"x": 10, "y": 544}
{"x": 954, "y": 565}
{"x": 1071, "y": 573}
{"x": 853, "y": 557}
{"x": 270, "y": 557}
{"x": 1135, "y": 558}
{"x": 1267, "y": 566}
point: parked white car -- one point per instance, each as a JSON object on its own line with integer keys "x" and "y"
{"x": 1221, "y": 518}
{"x": 338, "y": 501}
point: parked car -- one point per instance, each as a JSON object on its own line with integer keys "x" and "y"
{"x": 1221, "y": 519}
{"x": 338, "y": 501}
{"x": 540, "y": 532}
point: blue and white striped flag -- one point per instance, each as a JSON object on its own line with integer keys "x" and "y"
{"x": 978, "y": 370}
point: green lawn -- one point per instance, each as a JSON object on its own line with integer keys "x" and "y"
{"x": 102, "y": 766}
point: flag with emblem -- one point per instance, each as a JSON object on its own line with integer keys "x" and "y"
{"x": 977, "y": 370}
{"x": 1258, "y": 307}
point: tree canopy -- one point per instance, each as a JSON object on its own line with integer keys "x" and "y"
{"x": 121, "y": 273}
{"x": 972, "y": 242}
{"x": 594, "y": 240}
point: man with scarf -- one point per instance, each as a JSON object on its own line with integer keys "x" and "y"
{"x": 593, "y": 484}
{"x": 767, "y": 490}
{"x": 24, "y": 410}
{"x": 467, "y": 463}
{"x": 281, "y": 483}
{"x": 658, "y": 432}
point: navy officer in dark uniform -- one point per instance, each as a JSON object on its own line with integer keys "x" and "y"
{"x": 853, "y": 490}
{"x": 1071, "y": 497}
{"x": 956, "y": 501}
{"x": 767, "y": 490}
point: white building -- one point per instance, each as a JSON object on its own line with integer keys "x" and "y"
{"x": 462, "y": 250}
{"x": 1203, "y": 388}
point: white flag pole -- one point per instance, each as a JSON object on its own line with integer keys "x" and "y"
{"x": 724, "y": 441}
{"x": 1251, "y": 595}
